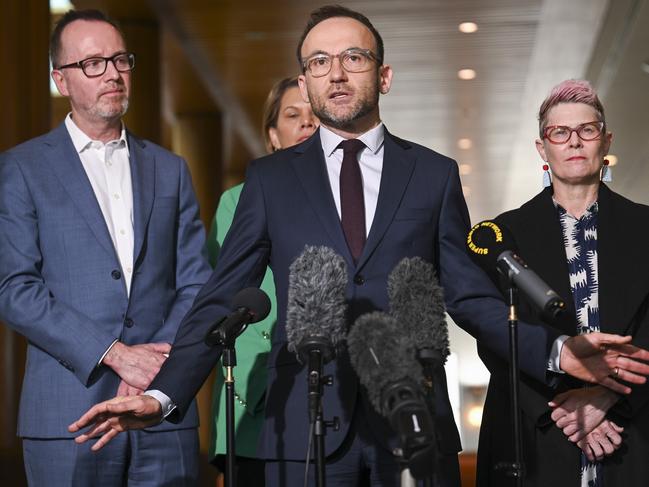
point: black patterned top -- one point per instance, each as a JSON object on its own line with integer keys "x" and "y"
{"x": 580, "y": 241}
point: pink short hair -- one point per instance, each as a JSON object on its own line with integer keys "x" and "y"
{"x": 571, "y": 91}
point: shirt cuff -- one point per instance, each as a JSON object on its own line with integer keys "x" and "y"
{"x": 106, "y": 352}
{"x": 554, "y": 362}
{"x": 167, "y": 405}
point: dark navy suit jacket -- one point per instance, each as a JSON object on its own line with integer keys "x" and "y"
{"x": 286, "y": 204}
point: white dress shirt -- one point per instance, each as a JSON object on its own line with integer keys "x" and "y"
{"x": 109, "y": 170}
{"x": 370, "y": 160}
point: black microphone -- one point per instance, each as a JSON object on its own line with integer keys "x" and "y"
{"x": 384, "y": 360}
{"x": 251, "y": 305}
{"x": 417, "y": 303}
{"x": 493, "y": 247}
{"x": 315, "y": 315}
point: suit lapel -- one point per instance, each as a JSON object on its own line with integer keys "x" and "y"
{"x": 143, "y": 181}
{"x": 64, "y": 161}
{"x": 311, "y": 170}
{"x": 398, "y": 165}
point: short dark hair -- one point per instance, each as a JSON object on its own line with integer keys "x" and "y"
{"x": 69, "y": 17}
{"x": 331, "y": 11}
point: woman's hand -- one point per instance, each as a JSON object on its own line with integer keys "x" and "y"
{"x": 579, "y": 411}
{"x": 602, "y": 441}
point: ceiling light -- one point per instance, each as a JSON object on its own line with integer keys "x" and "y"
{"x": 466, "y": 73}
{"x": 60, "y": 6}
{"x": 468, "y": 27}
{"x": 474, "y": 416}
{"x": 464, "y": 143}
{"x": 465, "y": 169}
{"x": 612, "y": 160}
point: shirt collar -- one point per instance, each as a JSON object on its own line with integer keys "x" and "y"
{"x": 373, "y": 139}
{"x": 81, "y": 141}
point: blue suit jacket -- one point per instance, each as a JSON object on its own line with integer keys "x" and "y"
{"x": 286, "y": 204}
{"x": 60, "y": 278}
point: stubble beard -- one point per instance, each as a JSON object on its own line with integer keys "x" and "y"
{"x": 364, "y": 105}
{"x": 112, "y": 110}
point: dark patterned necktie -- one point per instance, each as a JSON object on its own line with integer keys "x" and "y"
{"x": 352, "y": 205}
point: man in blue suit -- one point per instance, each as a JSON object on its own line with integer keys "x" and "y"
{"x": 101, "y": 255}
{"x": 407, "y": 202}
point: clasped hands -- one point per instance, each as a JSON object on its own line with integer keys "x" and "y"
{"x": 581, "y": 415}
{"x": 136, "y": 365}
{"x": 603, "y": 359}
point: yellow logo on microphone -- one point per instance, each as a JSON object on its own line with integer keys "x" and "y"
{"x": 476, "y": 249}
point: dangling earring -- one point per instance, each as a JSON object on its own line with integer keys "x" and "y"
{"x": 607, "y": 176}
{"x": 547, "y": 181}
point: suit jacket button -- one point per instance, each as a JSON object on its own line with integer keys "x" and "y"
{"x": 116, "y": 274}
{"x": 128, "y": 322}
{"x": 359, "y": 280}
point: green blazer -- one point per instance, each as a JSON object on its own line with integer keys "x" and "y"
{"x": 252, "y": 347}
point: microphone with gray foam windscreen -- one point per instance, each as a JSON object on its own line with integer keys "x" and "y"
{"x": 315, "y": 316}
{"x": 417, "y": 303}
{"x": 385, "y": 361}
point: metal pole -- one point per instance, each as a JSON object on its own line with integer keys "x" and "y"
{"x": 517, "y": 469}
{"x": 229, "y": 361}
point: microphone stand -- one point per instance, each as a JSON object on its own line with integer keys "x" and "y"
{"x": 428, "y": 358}
{"x": 229, "y": 362}
{"x": 517, "y": 468}
{"x": 229, "y": 358}
{"x": 318, "y": 351}
{"x": 315, "y": 383}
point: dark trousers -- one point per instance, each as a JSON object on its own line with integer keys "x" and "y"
{"x": 359, "y": 462}
{"x": 249, "y": 471}
{"x": 134, "y": 459}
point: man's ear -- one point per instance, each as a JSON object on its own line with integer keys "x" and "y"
{"x": 385, "y": 79}
{"x": 60, "y": 82}
{"x": 301, "y": 82}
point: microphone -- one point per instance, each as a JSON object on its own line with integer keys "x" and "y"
{"x": 417, "y": 304}
{"x": 251, "y": 305}
{"x": 315, "y": 315}
{"x": 493, "y": 247}
{"x": 384, "y": 360}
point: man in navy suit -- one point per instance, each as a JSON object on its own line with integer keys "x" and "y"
{"x": 101, "y": 255}
{"x": 411, "y": 205}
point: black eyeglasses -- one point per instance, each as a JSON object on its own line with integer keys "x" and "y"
{"x": 96, "y": 66}
{"x": 352, "y": 60}
{"x": 560, "y": 134}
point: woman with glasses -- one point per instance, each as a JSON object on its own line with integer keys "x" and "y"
{"x": 587, "y": 243}
{"x": 288, "y": 120}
